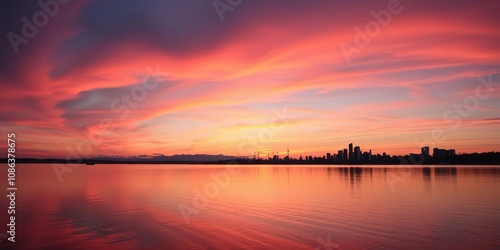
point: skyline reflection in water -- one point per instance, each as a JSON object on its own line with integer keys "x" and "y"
{"x": 259, "y": 207}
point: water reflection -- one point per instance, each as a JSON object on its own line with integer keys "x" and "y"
{"x": 263, "y": 207}
{"x": 426, "y": 172}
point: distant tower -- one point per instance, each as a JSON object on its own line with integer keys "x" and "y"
{"x": 426, "y": 151}
{"x": 288, "y": 151}
{"x": 350, "y": 151}
{"x": 357, "y": 153}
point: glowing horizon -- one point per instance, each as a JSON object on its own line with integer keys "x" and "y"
{"x": 214, "y": 84}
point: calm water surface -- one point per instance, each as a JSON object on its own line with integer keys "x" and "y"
{"x": 256, "y": 207}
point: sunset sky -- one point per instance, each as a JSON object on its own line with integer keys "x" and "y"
{"x": 266, "y": 75}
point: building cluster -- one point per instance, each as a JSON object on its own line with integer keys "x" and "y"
{"x": 437, "y": 152}
{"x": 351, "y": 154}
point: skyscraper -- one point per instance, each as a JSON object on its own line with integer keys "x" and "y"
{"x": 436, "y": 152}
{"x": 426, "y": 151}
{"x": 357, "y": 153}
{"x": 350, "y": 151}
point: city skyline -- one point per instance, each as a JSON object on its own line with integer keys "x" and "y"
{"x": 342, "y": 155}
{"x": 355, "y": 153}
{"x": 311, "y": 76}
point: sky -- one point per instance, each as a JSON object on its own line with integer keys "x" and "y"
{"x": 124, "y": 77}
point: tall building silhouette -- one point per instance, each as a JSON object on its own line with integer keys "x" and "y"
{"x": 426, "y": 151}
{"x": 437, "y": 152}
{"x": 350, "y": 151}
{"x": 357, "y": 153}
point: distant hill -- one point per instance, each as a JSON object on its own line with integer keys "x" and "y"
{"x": 197, "y": 157}
{"x": 183, "y": 158}
{"x": 166, "y": 158}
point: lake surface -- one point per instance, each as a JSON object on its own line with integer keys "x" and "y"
{"x": 256, "y": 207}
